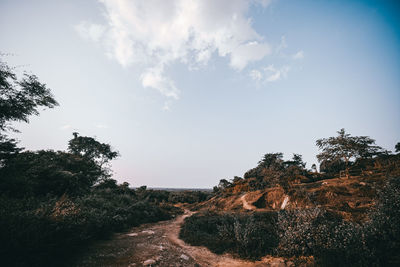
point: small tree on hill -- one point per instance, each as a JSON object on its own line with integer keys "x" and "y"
{"x": 346, "y": 148}
{"x": 272, "y": 161}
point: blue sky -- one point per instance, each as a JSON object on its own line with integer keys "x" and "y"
{"x": 191, "y": 92}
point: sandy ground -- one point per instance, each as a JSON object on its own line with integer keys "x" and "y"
{"x": 158, "y": 244}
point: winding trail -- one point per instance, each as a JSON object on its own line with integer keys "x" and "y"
{"x": 246, "y": 204}
{"x": 158, "y": 244}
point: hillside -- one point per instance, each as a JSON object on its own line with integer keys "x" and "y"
{"x": 347, "y": 215}
{"x": 350, "y": 197}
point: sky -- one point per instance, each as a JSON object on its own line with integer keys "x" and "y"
{"x": 191, "y": 92}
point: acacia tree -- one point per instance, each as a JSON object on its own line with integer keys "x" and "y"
{"x": 346, "y": 148}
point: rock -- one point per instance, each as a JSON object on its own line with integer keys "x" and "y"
{"x": 132, "y": 234}
{"x": 285, "y": 202}
{"x": 184, "y": 257}
{"x": 362, "y": 183}
{"x": 149, "y": 262}
{"x": 149, "y": 232}
{"x": 324, "y": 183}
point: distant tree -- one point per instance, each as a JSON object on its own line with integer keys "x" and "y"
{"x": 297, "y": 161}
{"x": 237, "y": 179}
{"x": 272, "y": 161}
{"x": 223, "y": 183}
{"x": 346, "y": 148}
{"x": 314, "y": 167}
{"x": 397, "y": 147}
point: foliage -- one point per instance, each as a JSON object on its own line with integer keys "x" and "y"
{"x": 90, "y": 148}
{"x": 47, "y": 231}
{"x": 248, "y": 235}
{"x": 48, "y": 172}
{"x": 18, "y": 100}
{"x": 21, "y": 98}
{"x": 346, "y": 148}
{"x": 54, "y": 202}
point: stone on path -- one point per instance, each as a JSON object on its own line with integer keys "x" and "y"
{"x": 184, "y": 257}
{"x": 149, "y": 262}
{"x": 150, "y": 232}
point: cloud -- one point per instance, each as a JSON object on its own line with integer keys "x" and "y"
{"x": 243, "y": 54}
{"x": 155, "y": 78}
{"x": 273, "y": 74}
{"x": 255, "y": 75}
{"x": 269, "y": 73}
{"x": 90, "y": 31}
{"x": 154, "y": 34}
{"x": 299, "y": 55}
{"x": 282, "y": 45}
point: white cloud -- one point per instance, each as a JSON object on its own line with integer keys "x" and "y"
{"x": 156, "y": 33}
{"x": 90, "y": 31}
{"x": 255, "y": 75}
{"x": 269, "y": 73}
{"x": 243, "y": 54}
{"x": 155, "y": 78}
{"x": 273, "y": 74}
{"x": 299, "y": 55}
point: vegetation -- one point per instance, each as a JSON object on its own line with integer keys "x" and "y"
{"x": 247, "y": 235}
{"x": 54, "y": 202}
{"x": 318, "y": 232}
{"x": 320, "y": 223}
{"x": 340, "y": 150}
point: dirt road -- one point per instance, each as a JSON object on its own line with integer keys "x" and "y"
{"x": 158, "y": 244}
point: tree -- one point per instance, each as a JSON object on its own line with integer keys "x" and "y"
{"x": 346, "y": 148}
{"x": 18, "y": 100}
{"x": 397, "y": 147}
{"x": 297, "y": 160}
{"x": 21, "y": 98}
{"x": 272, "y": 161}
{"x": 38, "y": 173}
{"x": 92, "y": 149}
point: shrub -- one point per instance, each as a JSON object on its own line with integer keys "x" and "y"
{"x": 38, "y": 232}
{"x": 247, "y": 235}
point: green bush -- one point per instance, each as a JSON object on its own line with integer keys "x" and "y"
{"x": 247, "y": 235}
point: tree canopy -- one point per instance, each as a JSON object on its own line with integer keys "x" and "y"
{"x": 21, "y": 98}
{"x": 92, "y": 149}
{"x": 346, "y": 148}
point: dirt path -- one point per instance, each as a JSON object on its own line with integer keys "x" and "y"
{"x": 246, "y": 204}
{"x": 158, "y": 244}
